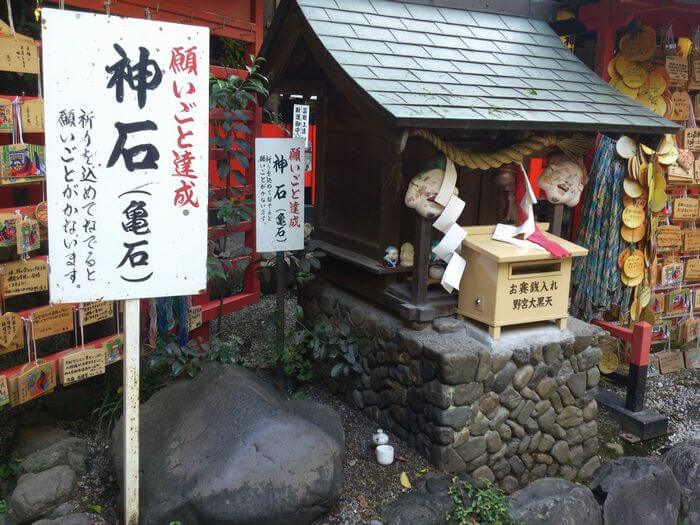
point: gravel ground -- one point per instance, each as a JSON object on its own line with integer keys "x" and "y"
{"x": 676, "y": 395}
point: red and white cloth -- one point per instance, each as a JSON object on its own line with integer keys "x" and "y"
{"x": 525, "y": 199}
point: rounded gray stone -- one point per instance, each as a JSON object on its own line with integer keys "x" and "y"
{"x": 448, "y": 325}
{"x": 510, "y": 397}
{"x": 684, "y": 461}
{"x": 637, "y": 490}
{"x": 37, "y": 494}
{"x": 472, "y": 448}
{"x": 546, "y": 443}
{"x": 493, "y": 441}
{"x": 482, "y": 476}
{"x": 552, "y": 501}
{"x": 589, "y": 358}
{"x": 560, "y": 452}
{"x": 590, "y": 411}
{"x": 503, "y": 378}
{"x": 546, "y": 387}
{"x": 570, "y": 417}
{"x": 522, "y": 376}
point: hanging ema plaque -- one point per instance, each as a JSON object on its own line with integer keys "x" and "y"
{"x": 82, "y": 364}
{"x": 96, "y": 311}
{"x": 52, "y": 320}
{"x": 11, "y": 333}
{"x": 20, "y": 277}
{"x": 4, "y": 391}
{"x": 35, "y": 380}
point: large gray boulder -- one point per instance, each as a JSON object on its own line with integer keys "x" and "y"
{"x": 639, "y": 491}
{"x": 37, "y": 494}
{"x": 684, "y": 460}
{"x": 30, "y": 438}
{"x": 225, "y": 448}
{"x": 553, "y": 501}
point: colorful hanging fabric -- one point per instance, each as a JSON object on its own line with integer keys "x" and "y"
{"x": 596, "y": 277}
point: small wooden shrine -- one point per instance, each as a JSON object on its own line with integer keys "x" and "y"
{"x": 398, "y": 82}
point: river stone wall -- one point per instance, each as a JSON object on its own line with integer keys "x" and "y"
{"x": 511, "y": 411}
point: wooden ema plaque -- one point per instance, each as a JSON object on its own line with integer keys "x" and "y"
{"x": 11, "y": 333}
{"x": 52, "y": 320}
{"x": 82, "y": 364}
{"x": 18, "y": 55}
{"x": 21, "y": 277}
{"x": 668, "y": 236}
{"x": 96, "y": 312}
{"x": 670, "y": 361}
{"x": 685, "y": 208}
{"x": 677, "y": 68}
{"x": 36, "y": 380}
{"x": 692, "y": 270}
{"x": 4, "y": 391}
{"x": 691, "y": 139}
{"x": 32, "y": 111}
{"x": 691, "y": 241}
{"x": 692, "y": 358}
{"x": 681, "y": 106}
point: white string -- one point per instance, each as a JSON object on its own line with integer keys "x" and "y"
{"x": 9, "y": 15}
{"x": 118, "y": 331}
{"x": 25, "y": 321}
{"x": 82, "y": 330}
{"x": 61, "y": 4}
{"x": 18, "y": 118}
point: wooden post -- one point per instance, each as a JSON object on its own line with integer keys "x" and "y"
{"x": 132, "y": 356}
{"x": 639, "y": 362}
{"x": 421, "y": 261}
{"x": 279, "y": 335}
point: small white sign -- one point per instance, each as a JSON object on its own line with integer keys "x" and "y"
{"x": 127, "y": 119}
{"x": 279, "y": 194}
{"x": 300, "y": 123}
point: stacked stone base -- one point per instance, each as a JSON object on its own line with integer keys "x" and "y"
{"x": 509, "y": 411}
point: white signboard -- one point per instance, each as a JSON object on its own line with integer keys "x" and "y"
{"x": 127, "y": 156}
{"x": 300, "y": 123}
{"x": 279, "y": 194}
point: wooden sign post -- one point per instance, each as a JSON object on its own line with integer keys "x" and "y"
{"x": 132, "y": 102}
{"x": 279, "y": 225}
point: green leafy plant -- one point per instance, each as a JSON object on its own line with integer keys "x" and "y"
{"x": 4, "y": 507}
{"x": 233, "y": 95}
{"x": 487, "y": 505}
{"x": 188, "y": 359}
{"x": 295, "y": 356}
{"x": 110, "y": 404}
{"x": 337, "y": 344}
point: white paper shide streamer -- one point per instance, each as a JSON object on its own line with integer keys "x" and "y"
{"x": 449, "y": 247}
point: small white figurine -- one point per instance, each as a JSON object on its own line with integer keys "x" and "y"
{"x": 436, "y": 271}
{"x": 380, "y": 437}
{"x": 391, "y": 256}
{"x": 563, "y": 180}
{"x": 406, "y": 254}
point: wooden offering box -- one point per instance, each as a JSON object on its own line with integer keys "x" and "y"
{"x": 506, "y": 285}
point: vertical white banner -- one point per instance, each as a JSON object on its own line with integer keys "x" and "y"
{"x": 279, "y": 194}
{"x": 127, "y": 117}
{"x": 300, "y": 123}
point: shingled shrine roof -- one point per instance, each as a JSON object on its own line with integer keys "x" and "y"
{"x": 450, "y": 67}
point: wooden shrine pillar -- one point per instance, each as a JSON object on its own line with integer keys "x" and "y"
{"x": 421, "y": 260}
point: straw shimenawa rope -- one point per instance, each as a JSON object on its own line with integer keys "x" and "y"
{"x": 573, "y": 147}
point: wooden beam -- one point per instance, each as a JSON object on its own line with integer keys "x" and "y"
{"x": 421, "y": 260}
